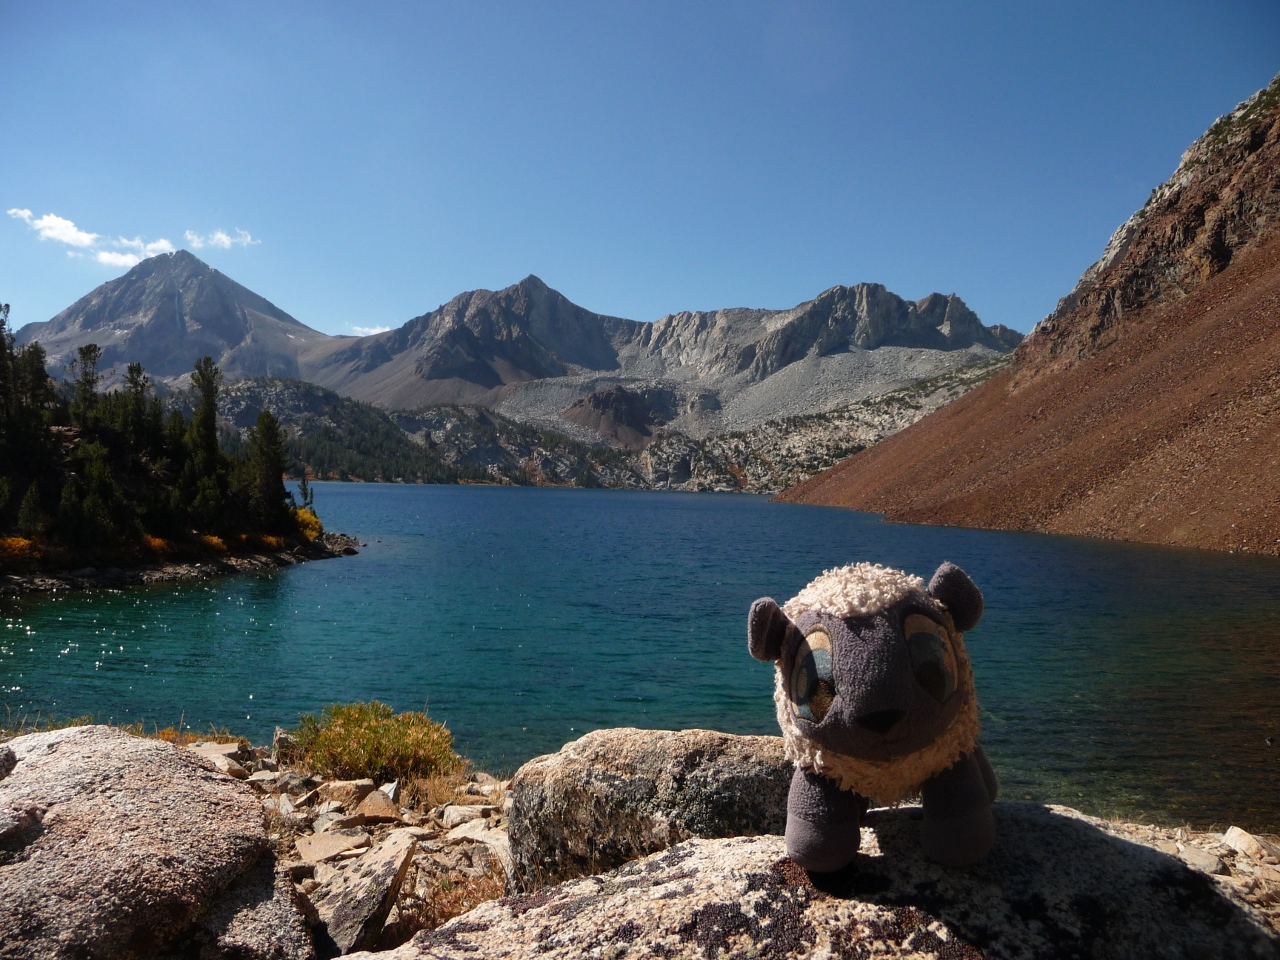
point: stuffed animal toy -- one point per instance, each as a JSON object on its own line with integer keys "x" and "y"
{"x": 875, "y": 697}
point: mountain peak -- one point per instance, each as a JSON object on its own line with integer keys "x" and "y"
{"x": 168, "y": 311}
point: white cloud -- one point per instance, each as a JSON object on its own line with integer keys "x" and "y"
{"x": 120, "y": 252}
{"x": 53, "y": 227}
{"x": 152, "y": 249}
{"x": 369, "y": 331}
{"x": 114, "y": 259}
{"x": 220, "y": 239}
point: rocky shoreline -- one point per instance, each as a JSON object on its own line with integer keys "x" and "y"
{"x": 325, "y": 547}
{"x": 626, "y": 843}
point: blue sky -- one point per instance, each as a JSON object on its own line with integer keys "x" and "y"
{"x": 359, "y": 165}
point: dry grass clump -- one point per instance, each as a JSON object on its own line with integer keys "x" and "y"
{"x": 17, "y": 725}
{"x": 21, "y": 724}
{"x": 350, "y": 741}
{"x": 440, "y": 900}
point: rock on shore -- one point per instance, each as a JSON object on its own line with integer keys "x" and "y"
{"x": 112, "y": 846}
{"x": 114, "y": 841}
{"x": 615, "y": 795}
{"x": 325, "y": 547}
{"x": 1057, "y": 884}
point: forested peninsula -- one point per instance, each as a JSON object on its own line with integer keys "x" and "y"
{"x": 120, "y": 479}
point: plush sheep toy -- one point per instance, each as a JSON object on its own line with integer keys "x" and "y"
{"x": 874, "y": 693}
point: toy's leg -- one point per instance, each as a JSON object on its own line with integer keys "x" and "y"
{"x": 822, "y": 823}
{"x": 988, "y": 775}
{"x": 958, "y": 826}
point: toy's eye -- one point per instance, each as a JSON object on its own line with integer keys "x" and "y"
{"x": 932, "y": 658}
{"x": 812, "y": 685}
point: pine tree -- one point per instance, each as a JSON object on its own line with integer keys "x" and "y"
{"x": 84, "y": 369}
{"x": 268, "y": 498}
{"x": 205, "y": 473}
{"x": 31, "y": 518}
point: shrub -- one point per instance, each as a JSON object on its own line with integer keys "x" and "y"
{"x": 308, "y": 523}
{"x": 351, "y": 741}
{"x": 214, "y": 544}
{"x": 15, "y": 548}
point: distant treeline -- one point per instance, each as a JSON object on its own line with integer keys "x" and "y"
{"x": 98, "y": 474}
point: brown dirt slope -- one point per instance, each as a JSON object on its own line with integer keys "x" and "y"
{"x": 1147, "y": 406}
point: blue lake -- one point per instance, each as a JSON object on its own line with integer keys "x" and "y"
{"x": 1120, "y": 679}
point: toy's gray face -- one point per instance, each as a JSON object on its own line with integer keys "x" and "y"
{"x": 874, "y": 687}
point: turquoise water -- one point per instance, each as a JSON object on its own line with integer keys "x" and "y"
{"x": 1116, "y": 678}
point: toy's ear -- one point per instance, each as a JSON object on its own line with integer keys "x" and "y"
{"x": 767, "y": 628}
{"x": 952, "y": 587}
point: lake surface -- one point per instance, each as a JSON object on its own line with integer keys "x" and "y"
{"x": 1119, "y": 679}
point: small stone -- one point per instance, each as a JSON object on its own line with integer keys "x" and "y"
{"x": 299, "y": 871}
{"x": 462, "y": 813}
{"x": 355, "y": 905}
{"x": 392, "y": 790}
{"x": 1244, "y": 842}
{"x": 343, "y": 823}
{"x": 8, "y": 760}
{"x": 1202, "y": 860}
{"x": 209, "y": 750}
{"x": 349, "y": 793}
{"x": 326, "y": 846}
{"x": 377, "y": 807}
{"x": 229, "y": 767}
{"x": 474, "y": 830}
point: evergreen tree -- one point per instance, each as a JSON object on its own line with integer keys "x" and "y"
{"x": 31, "y": 518}
{"x": 205, "y": 473}
{"x": 84, "y": 369}
{"x": 70, "y": 514}
{"x": 307, "y": 495}
{"x": 268, "y": 499}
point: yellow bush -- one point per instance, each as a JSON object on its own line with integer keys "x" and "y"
{"x": 309, "y": 524}
{"x": 272, "y": 543}
{"x": 349, "y": 741}
{"x": 157, "y": 545}
{"x": 214, "y": 544}
{"x": 15, "y": 548}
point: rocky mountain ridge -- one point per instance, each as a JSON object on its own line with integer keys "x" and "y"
{"x": 166, "y": 313}
{"x": 1220, "y": 201}
{"x": 529, "y": 353}
{"x": 1147, "y": 406}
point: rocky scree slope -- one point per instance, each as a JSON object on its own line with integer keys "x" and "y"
{"x": 1147, "y": 406}
{"x": 336, "y": 438}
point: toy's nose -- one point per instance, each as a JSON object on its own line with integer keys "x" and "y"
{"x": 882, "y": 721}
